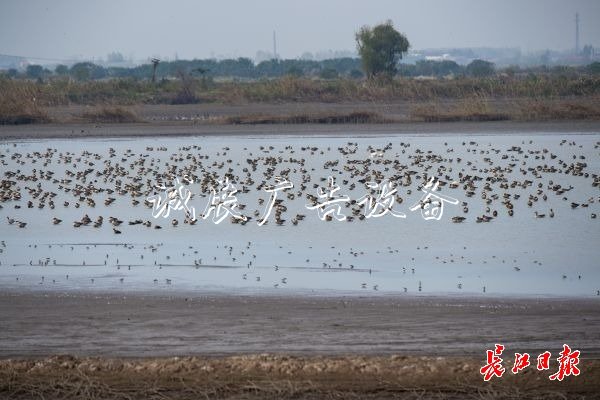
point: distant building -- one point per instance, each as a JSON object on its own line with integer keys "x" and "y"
{"x": 8, "y": 62}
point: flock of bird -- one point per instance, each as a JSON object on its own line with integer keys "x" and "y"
{"x": 501, "y": 182}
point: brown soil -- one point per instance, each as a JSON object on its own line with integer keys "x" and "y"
{"x": 283, "y": 377}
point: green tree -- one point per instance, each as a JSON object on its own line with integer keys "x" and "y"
{"x": 380, "y": 49}
{"x": 61, "y": 69}
{"x": 480, "y": 68}
{"x": 81, "y": 71}
{"x": 34, "y": 71}
{"x": 436, "y": 68}
{"x": 594, "y": 67}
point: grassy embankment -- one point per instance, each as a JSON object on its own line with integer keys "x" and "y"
{"x": 532, "y": 98}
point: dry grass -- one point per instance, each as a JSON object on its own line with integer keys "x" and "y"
{"x": 281, "y": 377}
{"x": 110, "y": 115}
{"x": 19, "y": 104}
{"x": 540, "y": 110}
{"x": 472, "y": 109}
{"x": 294, "y": 89}
{"x": 482, "y": 109}
{"x": 465, "y": 99}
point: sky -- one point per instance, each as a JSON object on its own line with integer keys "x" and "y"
{"x": 65, "y": 29}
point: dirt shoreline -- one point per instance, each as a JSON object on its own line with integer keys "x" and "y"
{"x": 158, "y": 129}
{"x": 117, "y": 325}
{"x": 281, "y": 377}
{"x": 251, "y": 347}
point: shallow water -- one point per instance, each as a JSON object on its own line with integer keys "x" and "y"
{"x": 518, "y": 255}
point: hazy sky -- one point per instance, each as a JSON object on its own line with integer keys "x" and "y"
{"x": 142, "y": 28}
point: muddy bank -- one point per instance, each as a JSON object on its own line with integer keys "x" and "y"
{"x": 270, "y": 347}
{"x": 36, "y": 325}
{"x": 183, "y": 128}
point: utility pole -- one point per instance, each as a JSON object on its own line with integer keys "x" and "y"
{"x": 274, "y": 46}
{"x": 576, "y": 33}
{"x": 155, "y": 62}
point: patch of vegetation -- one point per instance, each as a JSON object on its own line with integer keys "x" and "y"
{"x": 480, "y": 109}
{"x": 110, "y": 115}
{"x": 536, "y": 110}
{"x": 62, "y": 91}
{"x": 476, "y": 109}
{"x": 19, "y": 104}
{"x": 356, "y": 117}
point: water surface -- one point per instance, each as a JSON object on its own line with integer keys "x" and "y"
{"x": 510, "y": 255}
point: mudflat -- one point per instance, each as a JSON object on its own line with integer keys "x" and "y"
{"x": 116, "y": 325}
{"x": 250, "y": 347}
{"x": 187, "y": 128}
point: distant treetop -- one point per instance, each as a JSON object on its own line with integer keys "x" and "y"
{"x": 381, "y": 49}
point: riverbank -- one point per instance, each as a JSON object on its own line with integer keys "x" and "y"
{"x": 144, "y": 346}
{"x": 153, "y": 325}
{"x": 186, "y": 128}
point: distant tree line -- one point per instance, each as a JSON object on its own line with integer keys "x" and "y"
{"x": 244, "y": 68}
{"x": 234, "y": 68}
{"x": 477, "y": 68}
